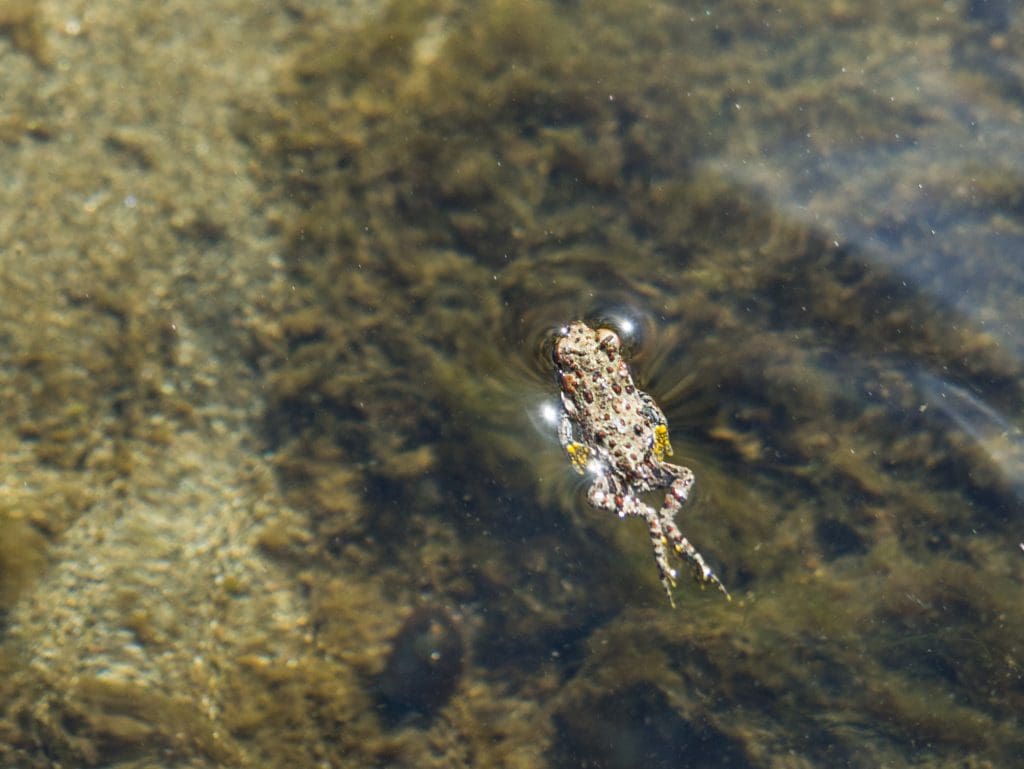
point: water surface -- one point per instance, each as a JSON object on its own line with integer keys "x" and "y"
{"x": 309, "y": 406}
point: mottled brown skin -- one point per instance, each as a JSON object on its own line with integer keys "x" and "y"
{"x": 616, "y": 432}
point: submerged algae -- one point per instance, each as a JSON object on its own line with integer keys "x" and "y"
{"x": 21, "y": 21}
{"x": 451, "y": 182}
{"x": 472, "y": 176}
{"x": 21, "y": 558}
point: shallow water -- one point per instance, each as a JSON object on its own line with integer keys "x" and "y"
{"x": 803, "y": 220}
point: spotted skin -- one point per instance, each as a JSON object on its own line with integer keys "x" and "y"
{"x": 617, "y": 433}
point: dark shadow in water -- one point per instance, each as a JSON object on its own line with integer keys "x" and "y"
{"x": 637, "y": 727}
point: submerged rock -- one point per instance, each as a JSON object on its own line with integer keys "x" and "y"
{"x": 423, "y": 668}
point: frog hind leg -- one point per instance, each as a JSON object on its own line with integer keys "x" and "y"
{"x": 660, "y": 542}
{"x": 677, "y": 493}
{"x": 703, "y": 573}
{"x": 605, "y": 495}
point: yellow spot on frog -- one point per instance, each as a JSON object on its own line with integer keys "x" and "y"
{"x": 662, "y": 447}
{"x": 578, "y": 455}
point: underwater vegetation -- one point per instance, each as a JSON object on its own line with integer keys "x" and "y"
{"x": 450, "y": 183}
{"x": 22, "y": 23}
{"x": 459, "y": 181}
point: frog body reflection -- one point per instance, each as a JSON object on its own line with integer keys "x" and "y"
{"x": 616, "y": 432}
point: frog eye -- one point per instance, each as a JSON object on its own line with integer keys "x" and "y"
{"x": 553, "y": 353}
{"x": 608, "y": 339}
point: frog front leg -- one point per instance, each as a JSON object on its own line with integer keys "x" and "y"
{"x": 661, "y": 446}
{"x": 578, "y": 453}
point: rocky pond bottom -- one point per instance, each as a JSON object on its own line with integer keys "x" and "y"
{"x": 280, "y": 490}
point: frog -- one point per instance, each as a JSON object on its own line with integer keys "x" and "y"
{"x": 613, "y": 431}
